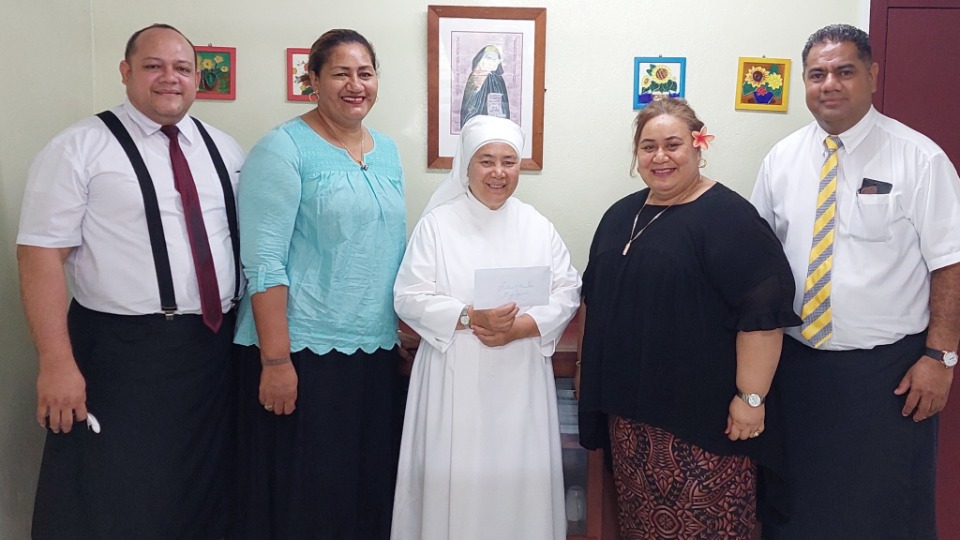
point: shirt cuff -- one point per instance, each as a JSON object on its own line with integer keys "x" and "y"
{"x": 262, "y": 278}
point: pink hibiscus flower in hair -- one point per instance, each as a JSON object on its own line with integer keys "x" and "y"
{"x": 702, "y": 138}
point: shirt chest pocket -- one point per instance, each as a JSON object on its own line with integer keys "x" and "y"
{"x": 871, "y": 218}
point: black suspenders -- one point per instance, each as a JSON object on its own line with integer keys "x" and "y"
{"x": 158, "y": 244}
{"x": 228, "y": 202}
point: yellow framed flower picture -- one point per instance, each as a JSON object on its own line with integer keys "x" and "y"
{"x": 218, "y": 77}
{"x": 763, "y": 84}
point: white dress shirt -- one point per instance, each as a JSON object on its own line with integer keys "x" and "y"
{"x": 885, "y": 245}
{"x": 82, "y": 192}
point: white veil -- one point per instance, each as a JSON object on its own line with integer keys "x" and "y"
{"x": 478, "y": 131}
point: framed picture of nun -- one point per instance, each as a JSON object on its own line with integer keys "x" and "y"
{"x": 484, "y": 61}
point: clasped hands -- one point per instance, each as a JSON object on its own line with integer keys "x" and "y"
{"x": 494, "y": 327}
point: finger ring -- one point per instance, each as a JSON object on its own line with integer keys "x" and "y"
{"x": 268, "y": 407}
{"x": 755, "y": 434}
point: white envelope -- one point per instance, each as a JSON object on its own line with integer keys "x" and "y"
{"x": 526, "y": 287}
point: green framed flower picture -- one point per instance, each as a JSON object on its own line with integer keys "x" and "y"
{"x": 218, "y": 72}
{"x": 763, "y": 84}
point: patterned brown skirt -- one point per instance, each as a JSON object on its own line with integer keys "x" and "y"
{"x": 669, "y": 488}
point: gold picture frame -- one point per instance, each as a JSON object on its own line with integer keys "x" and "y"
{"x": 763, "y": 84}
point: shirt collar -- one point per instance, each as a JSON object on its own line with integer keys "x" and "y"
{"x": 149, "y": 127}
{"x": 852, "y": 137}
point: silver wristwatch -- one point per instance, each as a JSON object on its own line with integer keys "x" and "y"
{"x": 465, "y": 317}
{"x": 753, "y": 400}
{"x": 947, "y": 358}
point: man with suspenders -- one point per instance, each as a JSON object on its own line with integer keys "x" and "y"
{"x": 136, "y": 207}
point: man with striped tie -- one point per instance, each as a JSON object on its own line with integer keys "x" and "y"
{"x": 868, "y": 211}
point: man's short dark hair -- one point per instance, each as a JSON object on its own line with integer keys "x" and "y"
{"x": 132, "y": 42}
{"x": 840, "y": 33}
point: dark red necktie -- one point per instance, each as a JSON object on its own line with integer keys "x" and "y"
{"x": 197, "y": 232}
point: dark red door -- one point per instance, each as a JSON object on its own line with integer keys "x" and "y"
{"x": 917, "y": 43}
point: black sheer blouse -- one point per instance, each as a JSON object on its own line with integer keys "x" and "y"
{"x": 659, "y": 344}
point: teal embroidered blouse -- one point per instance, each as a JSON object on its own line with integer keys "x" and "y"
{"x": 312, "y": 220}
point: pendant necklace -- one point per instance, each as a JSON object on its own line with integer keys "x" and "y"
{"x": 633, "y": 236}
{"x": 363, "y": 166}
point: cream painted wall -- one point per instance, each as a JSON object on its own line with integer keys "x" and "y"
{"x": 588, "y": 108}
{"x": 47, "y": 84}
{"x": 71, "y": 72}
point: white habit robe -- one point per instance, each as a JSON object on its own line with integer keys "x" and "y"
{"x": 480, "y": 456}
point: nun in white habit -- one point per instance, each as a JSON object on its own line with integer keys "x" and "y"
{"x": 480, "y": 456}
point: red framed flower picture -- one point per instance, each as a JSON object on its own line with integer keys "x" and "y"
{"x": 296, "y": 67}
{"x": 218, "y": 72}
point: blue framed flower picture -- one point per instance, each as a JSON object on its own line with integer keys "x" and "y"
{"x": 658, "y": 76}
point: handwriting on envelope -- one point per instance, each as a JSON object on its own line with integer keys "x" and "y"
{"x": 526, "y": 287}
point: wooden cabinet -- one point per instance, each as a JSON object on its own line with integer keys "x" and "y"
{"x": 583, "y": 484}
{"x": 583, "y": 468}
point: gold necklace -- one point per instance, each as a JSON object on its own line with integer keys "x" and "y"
{"x": 633, "y": 236}
{"x": 363, "y": 166}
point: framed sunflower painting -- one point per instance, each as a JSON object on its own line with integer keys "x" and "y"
{"x": 763, "y": 84}
{"x": 657, "y": 76}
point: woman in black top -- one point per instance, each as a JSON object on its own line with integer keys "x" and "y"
{"x": 686, "y": 294}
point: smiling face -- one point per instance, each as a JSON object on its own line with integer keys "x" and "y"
{"x": 666, "y": 158}
{"x": 839, "y": 85}
{"x": 346, "y": 85}
{"x": 493, "y": 174}
{"x": 161, "y": 75}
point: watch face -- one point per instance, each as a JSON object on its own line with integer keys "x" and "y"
{"x": 753, "y": 400}
{"x": 465, "y": 320}
{"x": 949, "y": 358}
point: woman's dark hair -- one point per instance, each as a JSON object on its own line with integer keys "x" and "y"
{"x": 330, "y": 40}
{"x": 677, "y": 107}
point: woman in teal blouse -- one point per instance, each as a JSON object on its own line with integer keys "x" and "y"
{"x": 322, "y": 228}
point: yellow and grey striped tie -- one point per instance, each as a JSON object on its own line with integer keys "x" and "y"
{"x": 816, "y": 312}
